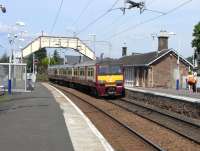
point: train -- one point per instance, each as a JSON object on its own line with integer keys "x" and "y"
{"x": 100, "y": 78}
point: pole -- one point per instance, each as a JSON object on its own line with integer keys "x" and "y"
{"x": 178, "y": 66}
{"x": 21, "y": 56}
{"x": 64, "y": 58}
{"x": 94, "y": 40}
{"x": 33, "y": 63}
{"x": 9, "y": 77}
{"x": 178, "y": 73}
{"x": 110, "y": 49}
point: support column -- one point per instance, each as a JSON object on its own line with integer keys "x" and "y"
{"x": 9, "y": 78}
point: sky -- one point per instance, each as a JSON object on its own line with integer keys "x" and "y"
{"x": 75, "y": 15}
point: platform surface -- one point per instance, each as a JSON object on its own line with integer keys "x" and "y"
{"x": 33, "y": 122}
{"x": 181, "y": 94}
{"x": 84, "y": 135}
{"x": 44, "y": 120}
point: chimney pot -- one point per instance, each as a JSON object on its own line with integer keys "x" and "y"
{"x": 124, "y": 51}
{"x": 163, "y": 40}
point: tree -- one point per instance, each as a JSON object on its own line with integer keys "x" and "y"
{"x": 196, "y": 44}
{"x": 52, "y": 61}
{"x": 196, "y": 40}
{"x": 190, "y": 59}
{"x": 40, "y": 55}
{"x": 45, "y": 63}
{"x": 4, "y": 58}
{"x": 57, "y": 57}
{"x": 29, "y": 62}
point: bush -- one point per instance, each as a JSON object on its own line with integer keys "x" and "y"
{"x": 42, "y": 77}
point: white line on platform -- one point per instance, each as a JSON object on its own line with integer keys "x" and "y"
{"x": 103, "y": 141}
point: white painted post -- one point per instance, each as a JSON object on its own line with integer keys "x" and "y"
{"x": 25, "y": 79}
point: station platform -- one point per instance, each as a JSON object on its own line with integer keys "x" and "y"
{"x": 46, "y": 120}
{"x": 181, "y": 94}
{"x": 181, "y": 104}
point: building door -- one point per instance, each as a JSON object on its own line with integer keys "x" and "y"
{"x": 129, "y": 76}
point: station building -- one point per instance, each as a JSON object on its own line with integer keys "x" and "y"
{"x": 159, "y": 68}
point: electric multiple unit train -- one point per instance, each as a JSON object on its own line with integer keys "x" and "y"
{"x": 101, "y": 78}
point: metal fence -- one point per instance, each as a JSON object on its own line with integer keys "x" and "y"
{"x": 17, "y": 74}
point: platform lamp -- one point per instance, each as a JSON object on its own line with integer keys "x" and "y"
{"x": 93, "y": 40}
{"x": 21, "y": 24}
{"x": 3, "y": 8}
{"x": 178, "y": 62}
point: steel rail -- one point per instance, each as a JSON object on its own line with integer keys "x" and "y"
{"x": 155, "y": 146}
{"x": 154, "y": 121}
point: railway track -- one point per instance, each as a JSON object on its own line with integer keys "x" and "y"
{"x": 180, "y": 126}
{"x": 158, "y": 141}
{"x": 131, "y": 130}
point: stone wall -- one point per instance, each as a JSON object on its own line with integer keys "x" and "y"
{"x": 164, "y": 72}
{"x": 186, "y": 108}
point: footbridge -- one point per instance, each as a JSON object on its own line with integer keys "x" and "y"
{"x": 58, "y": 42}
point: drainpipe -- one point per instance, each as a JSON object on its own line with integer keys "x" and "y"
{"x": 152, "y": 81}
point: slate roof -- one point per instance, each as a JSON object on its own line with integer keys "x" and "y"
{"x": 142, "y": 59}
{"x": 146, "y": 59}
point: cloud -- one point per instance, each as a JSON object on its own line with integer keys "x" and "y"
{"x": 5, "y": 29}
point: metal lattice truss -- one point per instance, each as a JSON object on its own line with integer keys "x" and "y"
{"x": 58, "y": 42}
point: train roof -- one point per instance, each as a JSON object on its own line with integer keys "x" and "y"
{"x": 106, "y": 61}
{"x": 60, "y": 66}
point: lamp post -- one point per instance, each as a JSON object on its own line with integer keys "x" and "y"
{"x": 11, "y": 42}
{"x": 104, "y": 42}
{"x": 21, "y": 24}
{"x": 72, "y": 30}
{"x": 178, "y": 62}
{"x": 12, "y": 39}
{"x": 93, "y": 40}
{"x": 168, "y": 34}
{"x": 109, "y": 45}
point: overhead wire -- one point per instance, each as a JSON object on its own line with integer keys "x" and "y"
{"x": 98, "y": 18}
{"x": 151, "y": 19}
{"x": 118, "y": 19}
{"x": 56, "y": 17}
{"x": 89, "y": 2}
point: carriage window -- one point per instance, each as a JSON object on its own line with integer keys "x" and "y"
{"x": 82, "y": 72}
{"x": 55, "y": 72}
{"x": 65, "y": 71}
{"x": 69, "y": 72}
{"x": 90, "y": 72}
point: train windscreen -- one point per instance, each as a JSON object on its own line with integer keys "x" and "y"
{"x": 112, "y": 69}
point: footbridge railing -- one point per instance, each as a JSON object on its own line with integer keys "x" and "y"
{"x": 58, "y": 42}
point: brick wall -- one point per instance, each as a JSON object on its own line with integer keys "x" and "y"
{"x": 164, "y": 72}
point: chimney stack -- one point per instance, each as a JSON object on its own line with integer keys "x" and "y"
{"x": 124, "y": 51}
{"x": 163, "y": 40}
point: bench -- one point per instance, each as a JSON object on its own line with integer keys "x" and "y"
{"x": 2, "y": 90}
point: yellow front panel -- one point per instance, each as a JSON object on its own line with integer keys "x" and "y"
{"x": 110, "y": 79}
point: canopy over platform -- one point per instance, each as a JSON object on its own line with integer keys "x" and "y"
{"x": 58, "y": 42}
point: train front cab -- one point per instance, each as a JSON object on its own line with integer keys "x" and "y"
{"x": 110, "y": 80}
